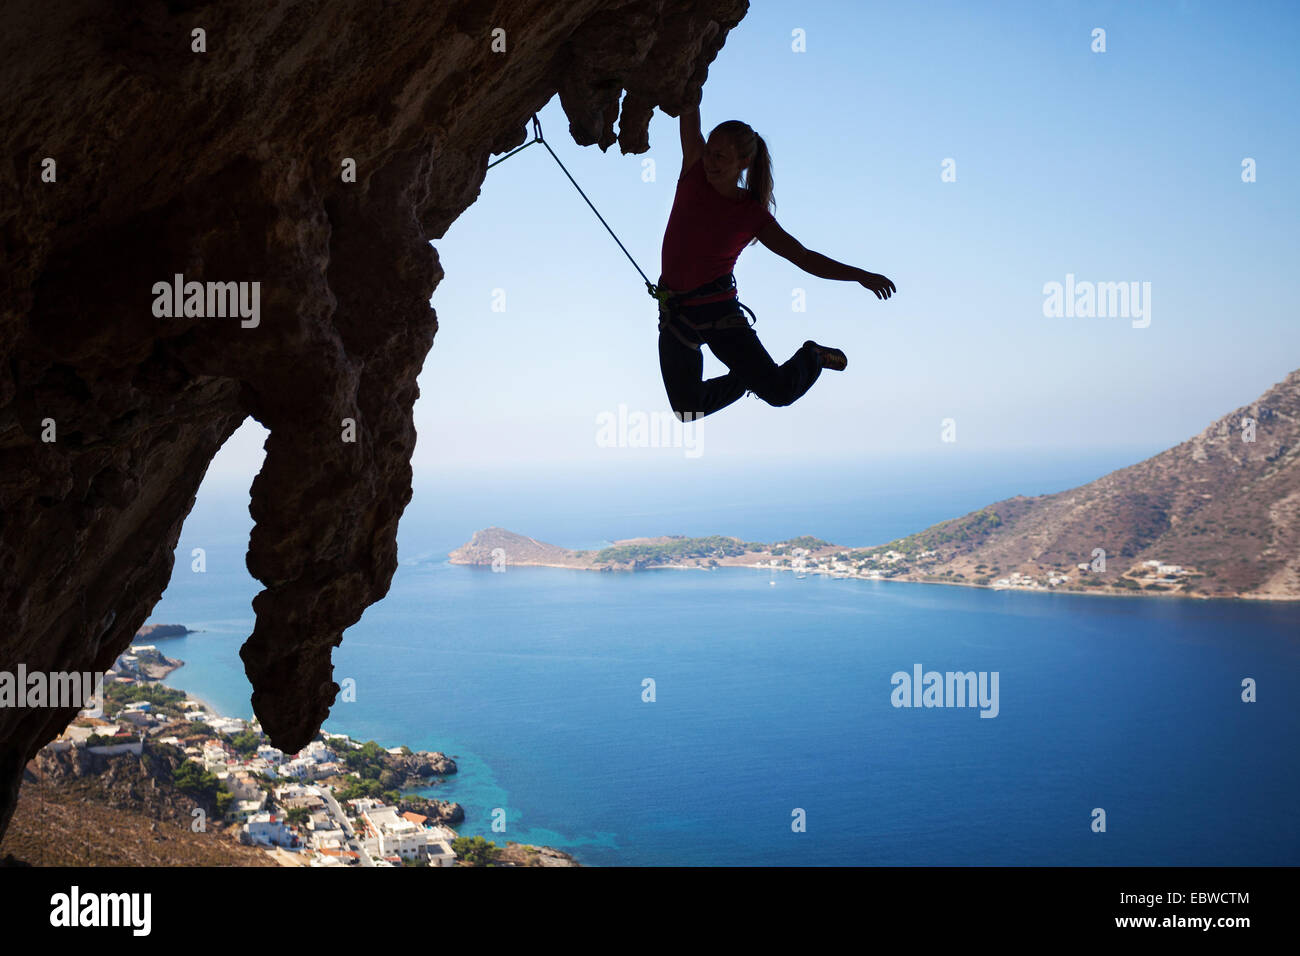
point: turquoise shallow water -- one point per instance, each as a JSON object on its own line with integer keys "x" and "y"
{"x": 772, "y": 700}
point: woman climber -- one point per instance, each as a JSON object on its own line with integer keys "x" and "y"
{"x": 711, "y": 222}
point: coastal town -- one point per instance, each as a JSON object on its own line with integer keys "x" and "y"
{"x": 337, "y": 802}
{"x": 1150, "y": 575}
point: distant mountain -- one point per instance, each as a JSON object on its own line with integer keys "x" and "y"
{"x": 1225, "y": 509}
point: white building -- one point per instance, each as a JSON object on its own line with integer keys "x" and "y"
{"x": 394, "y": 836}
{"x": 214, "y": 747}
{"x": 226, "y": 725}
{"x": 317, "y": 751}
{"x": 122, "y": 747}
{"x": 328, "y": 840}
{"x": 267, "y": 829}
{"x": 258, "y": 765}
{"x": 290, "y": 790}
{"x": 214, "y": 756}
{"x": 297, "y": 769}
{"x": 295, "y": 797}
{"x": 440, "y": 853}
{"x": 240, "y": 784}
{"x": 244, "y": 810}
{"x": 328, "y": 857}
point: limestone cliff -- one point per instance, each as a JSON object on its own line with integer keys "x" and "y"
{"x": 210, "y": 140}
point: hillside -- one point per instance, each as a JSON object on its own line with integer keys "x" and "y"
{"x": 1224, "y": 508}
{"x": 85, "y": 810}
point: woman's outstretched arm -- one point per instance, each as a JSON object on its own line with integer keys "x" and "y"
{"x": 814, "y": 263}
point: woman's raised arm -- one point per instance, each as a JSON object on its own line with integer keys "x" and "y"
{"x": 692, "y": 137}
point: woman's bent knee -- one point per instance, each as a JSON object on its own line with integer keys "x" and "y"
{"x": 774, "y": 395}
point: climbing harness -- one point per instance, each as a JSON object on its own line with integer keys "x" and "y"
{"x": 670, "y": 302}
{"x": 674, "y": 319}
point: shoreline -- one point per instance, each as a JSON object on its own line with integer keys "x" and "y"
{"x": 285, "y": 860}
{"x": 417, "y": 790}
{"x": 207, "y": 705}
{"x": 1092, "y": 592}
{"x": 216, "y": 712}
{"x": 166, "y": 669}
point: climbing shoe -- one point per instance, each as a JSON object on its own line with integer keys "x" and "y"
{"x": 831, "y": 358}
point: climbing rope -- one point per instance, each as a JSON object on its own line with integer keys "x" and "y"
{"x": 654, "y": 291}
{"x": 537, "y": 134}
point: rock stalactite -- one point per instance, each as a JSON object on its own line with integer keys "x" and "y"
{"x": 209, "y": 140}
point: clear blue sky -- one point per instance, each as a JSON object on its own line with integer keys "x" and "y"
{"x": 1115, "y": 166}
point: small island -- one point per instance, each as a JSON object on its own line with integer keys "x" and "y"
{"x": 158, "y": 632}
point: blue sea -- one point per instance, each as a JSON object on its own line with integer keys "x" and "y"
{"x": 772, "y": 701}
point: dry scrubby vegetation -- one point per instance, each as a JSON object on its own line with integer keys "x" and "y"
{"x": 60, "y": 825}
{"x": 683, "y": 548}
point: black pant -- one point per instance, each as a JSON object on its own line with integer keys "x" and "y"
{"x": 750, "y": 367}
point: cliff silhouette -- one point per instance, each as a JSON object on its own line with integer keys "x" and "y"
{"x": 213, "y": 141}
